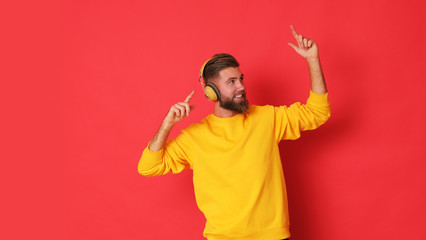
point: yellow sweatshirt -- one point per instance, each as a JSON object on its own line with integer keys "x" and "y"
{"x": 237, "y": 173}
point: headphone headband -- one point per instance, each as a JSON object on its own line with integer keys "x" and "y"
{"x": 202, "y": 67}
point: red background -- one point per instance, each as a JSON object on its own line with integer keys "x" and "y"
{"x": 94, "y": 79}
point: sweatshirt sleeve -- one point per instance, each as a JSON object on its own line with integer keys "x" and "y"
{"x": 290, "y": 121}
{"x": 172, "y": 158}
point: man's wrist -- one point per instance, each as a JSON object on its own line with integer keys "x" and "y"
{"x": 167, "y": 125}
{"x": 313, "y": 59}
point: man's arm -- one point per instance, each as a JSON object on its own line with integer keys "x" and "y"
{"x": 308, "y": 49}
{"x": 176, "y": 114}
{"x": 155, "y": 160}
{"x": 317, "y": 78}
{"x": 290, "y": 121}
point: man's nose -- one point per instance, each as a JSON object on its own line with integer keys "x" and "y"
{"x": 240, "y": 86}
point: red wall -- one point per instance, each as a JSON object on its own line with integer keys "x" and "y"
{"x": 111, "y": 70}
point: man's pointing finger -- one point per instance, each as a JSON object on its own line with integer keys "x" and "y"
{"x": 299, "y": 38}
{"x": 189, "y": 96}
{"x": 293, "y": 31}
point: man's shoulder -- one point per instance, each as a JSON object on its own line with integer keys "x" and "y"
{"x": 259, "y": 109}
{"x": 197, "y": 126}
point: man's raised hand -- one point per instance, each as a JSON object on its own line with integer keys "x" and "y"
{"x": 180, "y": 110}
{"x": 307, "y": 48}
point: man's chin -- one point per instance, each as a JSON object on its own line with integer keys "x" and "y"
{"x": 237, "y": 106}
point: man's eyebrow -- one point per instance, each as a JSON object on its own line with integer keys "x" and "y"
{"x": 231, "y": 78}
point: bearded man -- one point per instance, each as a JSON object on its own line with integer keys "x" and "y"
{"x": 233, "y": 152}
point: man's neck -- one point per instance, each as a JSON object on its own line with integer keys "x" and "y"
{"x": 223, "y": 113}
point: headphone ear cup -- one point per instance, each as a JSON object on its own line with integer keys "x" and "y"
{"x": 211, "y": 92}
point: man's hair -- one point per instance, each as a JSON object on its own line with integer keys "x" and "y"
{"x": 217, "y": 63}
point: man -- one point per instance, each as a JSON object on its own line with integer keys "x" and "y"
{"x": 238, "y": 179}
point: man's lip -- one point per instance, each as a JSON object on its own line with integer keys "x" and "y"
{"x": 242, "y": 95}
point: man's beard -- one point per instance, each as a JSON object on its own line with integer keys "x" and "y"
{"x": 238, "y": 107}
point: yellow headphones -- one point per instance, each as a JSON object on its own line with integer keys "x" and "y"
{"x": 210, "y": 90}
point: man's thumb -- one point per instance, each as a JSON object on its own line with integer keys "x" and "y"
{"x": 293, "y": 46}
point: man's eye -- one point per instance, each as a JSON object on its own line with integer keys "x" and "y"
{"x": 242, "y": 79}
{"x": 232, "y": 81}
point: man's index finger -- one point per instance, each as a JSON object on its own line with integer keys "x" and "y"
{"x": 293, "y": 31}
{"x": 189, "y": 96}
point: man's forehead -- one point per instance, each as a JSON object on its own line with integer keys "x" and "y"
{"x": 230, "y": 72}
